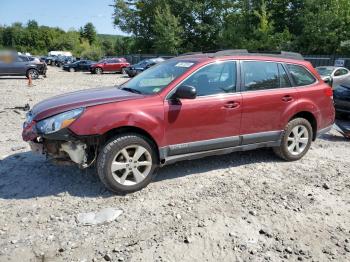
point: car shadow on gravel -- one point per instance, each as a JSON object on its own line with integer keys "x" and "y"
{"x": 333, "y": 138}
{"x": 12, "y": 78}
{"x": 198, "y": 166}
{"x": 27, "y": 175}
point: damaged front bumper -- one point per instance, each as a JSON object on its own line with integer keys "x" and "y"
{"x": 61, "y": 146}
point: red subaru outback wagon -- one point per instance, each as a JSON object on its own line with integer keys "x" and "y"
{"x": 187, "y": 107}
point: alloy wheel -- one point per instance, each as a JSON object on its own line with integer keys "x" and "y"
{"x": 298, "y": 140}
{"x": 131, "y": 165}
{"x": 33, "y": 74}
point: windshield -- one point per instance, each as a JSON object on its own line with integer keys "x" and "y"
{"x": 324, "y": 71}
{"x": 158, "y": 77}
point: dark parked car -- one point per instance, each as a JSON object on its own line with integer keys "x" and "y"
{"x": 81, "y": 65}
{"x": 63, "y": 60}
{"x": 110, "y": 65}
{"x": 187, "y": 107}
{"x": 135, "y": 69}
{"x": 50, "y": 60}
{"x": 23, "y": 66}
{"x": 342, "y": 99}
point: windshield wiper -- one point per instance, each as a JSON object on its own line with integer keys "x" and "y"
{"x": 131, "y": 90}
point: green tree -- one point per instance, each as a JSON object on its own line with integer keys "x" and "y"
{"x": 167, "y": 31}
{"x": 89, "y": 32}
{"x": 325, "y": 27}
{"x": 125, "y": 45}
{"x": 201, "y": 21}
{"x": 107, "y": 47}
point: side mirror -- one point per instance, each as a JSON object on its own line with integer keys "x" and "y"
{"x": 185, "y": 92}
{"x": 329, "y": 81}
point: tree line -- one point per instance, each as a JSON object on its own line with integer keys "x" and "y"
{"x": 177, "y": 26}
{"x": 39, "y": 40}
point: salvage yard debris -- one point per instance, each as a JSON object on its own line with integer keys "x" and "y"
{"x": 105, "y": 215}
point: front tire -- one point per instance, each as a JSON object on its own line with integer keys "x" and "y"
{"x": 296, "y": 140}
{"x": 33, "y": 73}
{"x": 98, "y": 71}
{"x": 71, "y": 70}
{"x": 127, "y": 163}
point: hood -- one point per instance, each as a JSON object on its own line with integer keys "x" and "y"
{"x": 83, "y": 98}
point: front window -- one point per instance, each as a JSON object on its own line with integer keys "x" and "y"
{"x": 158, "y": 77}
{"x": 214, "y": 79}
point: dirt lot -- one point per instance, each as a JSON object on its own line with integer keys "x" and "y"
{"x": 246, "y": 206}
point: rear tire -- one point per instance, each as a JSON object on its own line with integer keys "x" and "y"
{"x": 71, "y": 70}
{"x": 296, "y": 140}
{"x": 127, "y": 163}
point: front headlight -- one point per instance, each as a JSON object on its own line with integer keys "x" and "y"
{"x": 57, "y": 122}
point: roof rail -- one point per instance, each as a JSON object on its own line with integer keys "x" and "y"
{"x": 245, "y": 52}
{"x": 191, "y": 53}
{"x": 230, "y": 52}
{"x": 283, "y": 54}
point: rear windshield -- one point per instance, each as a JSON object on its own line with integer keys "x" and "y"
{"x": 324, "y": 71}
{"x": 156, "y": 78}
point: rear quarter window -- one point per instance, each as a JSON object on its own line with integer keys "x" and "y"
{"x": 301, "y": 76}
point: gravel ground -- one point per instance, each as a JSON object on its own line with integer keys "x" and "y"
{"x": 247, "y": 206}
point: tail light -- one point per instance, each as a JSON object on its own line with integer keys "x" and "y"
{"x": 329, "y": 92}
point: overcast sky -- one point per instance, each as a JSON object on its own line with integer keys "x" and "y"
{"x": 65, "y": 14}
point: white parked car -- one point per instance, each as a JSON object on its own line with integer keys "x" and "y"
{"x": 338, "y": 74}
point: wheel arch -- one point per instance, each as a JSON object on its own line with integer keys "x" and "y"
{"x": 309, "y": 117}
{"x": 31, "y": 68}
{"x": 130, "y": 129}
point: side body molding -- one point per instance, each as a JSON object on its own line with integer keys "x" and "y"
{"x": 187, "y": 151}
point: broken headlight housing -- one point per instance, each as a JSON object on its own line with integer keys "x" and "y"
{"x": 57, "y": 122}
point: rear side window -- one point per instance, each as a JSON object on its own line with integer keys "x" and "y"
{"x": 300, "y": 75}
{"x": 259, "y": 75}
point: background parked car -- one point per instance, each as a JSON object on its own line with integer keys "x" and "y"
{"x": 110, "y": 65}
{"x": 50, "y": 59}
{"x": 43, "y": 59}
{"x": 81, "y": 65}
{"x": 135, "y": 69}
{"x": 62, "y": 60}
{"x": 341, "y": 97}
{"x": 23, "y": 66}
{"x": 337, "y": 74}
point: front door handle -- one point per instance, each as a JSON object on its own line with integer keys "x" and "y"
{"x": 287, "y": 98}
{"x": 231, "y": 105}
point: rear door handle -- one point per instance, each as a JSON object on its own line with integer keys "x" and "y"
{"x": 231, "y": 104}
{"x": 287, "y": 98}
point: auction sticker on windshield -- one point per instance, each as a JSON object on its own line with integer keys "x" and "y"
{"x": 184, "y": 64}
